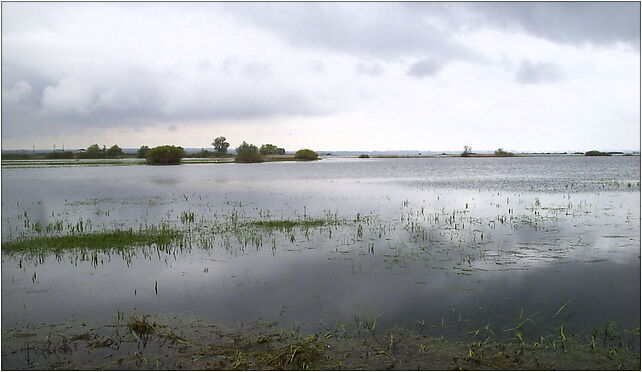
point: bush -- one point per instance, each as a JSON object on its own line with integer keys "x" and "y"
{"x": 596, "y": 153}
{"x": 247, "y": 153}
{"x": 165, "y": 155}
{"x": 306, "y": 154}
{"x": 364, "y": 156}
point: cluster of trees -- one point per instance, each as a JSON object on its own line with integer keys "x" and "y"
{"x": 468, "y": 151}
{"x": 95, "y": 152}
{"x": 270, "y": 149}
{"x": 596, "y": 153}
{"x": 248, "y": 153}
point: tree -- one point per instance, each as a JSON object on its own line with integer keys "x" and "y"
{"x": 114, "y": 151}
{"x": 269, "y": 149}
{"x": 142, "y": 151}
{"x": 247, "y": 153}
{"x": 220, "y": 146}
{"x": 305, "y": 154}
{"x": 165, "y": 155}
{"x": 93, "y": 152}
{"x": 467, "y": 151}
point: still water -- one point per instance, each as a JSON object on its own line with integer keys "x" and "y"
{"x": 449, "y": 242}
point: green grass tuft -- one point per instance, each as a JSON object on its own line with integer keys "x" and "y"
{"x": 118, "y": 239}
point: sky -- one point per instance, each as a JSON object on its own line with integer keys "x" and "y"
{"x": 326, "y": 76}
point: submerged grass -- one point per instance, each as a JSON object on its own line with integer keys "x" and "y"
{"x": 288, "y": 224}
{"x": 150, "y": 344}
{"x": 118, "y": 239}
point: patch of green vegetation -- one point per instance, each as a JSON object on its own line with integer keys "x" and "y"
{"x": 270, "y": 149}
{"x": 165, "y": 155}
{"x": 288, "y": 224}
{"x": 596, "y": 153}
{"x": 247, "y": 153}
{"x": 203, "y": 346}
{"x": 306, "y": 154}
{"x": 501, "y": 152}
{"x": 118, "y": 240}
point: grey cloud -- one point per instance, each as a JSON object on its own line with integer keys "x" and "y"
{"x": 138, "y": 97}
{"x": 538, "y": 72}
{"x": 380, "y": 30}
{"x": 369, "y": 68}
{"x": 566, "y": 22}
{"x": 424, "y": 68}
{"x": 391, "y": 30}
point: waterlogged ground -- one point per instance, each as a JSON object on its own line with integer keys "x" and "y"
{"x": 502, "y": 263}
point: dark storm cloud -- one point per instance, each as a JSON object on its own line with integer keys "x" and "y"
{"x": 538, "y": 72}
{"x": 424, "y": 68}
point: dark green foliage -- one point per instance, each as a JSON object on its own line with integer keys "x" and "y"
{"x": 93, "y": 152}
{"x": 289, "y": 224}
{"x": 364, "y": 156}
{"x": 114, "y": 151}
{"x": 220, "y": 146}
{"x": 142, "y": 151}
{"x": 269, "y": 149}
{"x": 306, "y": 154}
{"x": 247, "y": 153}
{"x": 100, "y": 241}
{"x": 596, "y": 153}
{"x": 59, "y": 155}
{"x": 501, "y": 152}
{"x": 201, "y": 154}
{"x": 18, "y": 156}
{"x": 165, "y": 155}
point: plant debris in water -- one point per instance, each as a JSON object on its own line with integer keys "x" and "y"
{"x": 141, "y": 343}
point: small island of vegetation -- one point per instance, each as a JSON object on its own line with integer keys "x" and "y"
{"x": 306, "y": 154}
{"x": 596, "y": 153}
{"x": 165, "y": 155}
{"x": 248, "y": 153}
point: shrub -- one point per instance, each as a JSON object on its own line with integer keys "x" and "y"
{"x": 306, "y": 154}
{"x": 165, "y": 155}
{"x": 364, "y": 156}
{"x": 247, "y": 153}
{"x": 596, "y": 153}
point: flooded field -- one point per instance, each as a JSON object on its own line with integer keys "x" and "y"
{"x": 437, "y": 263}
